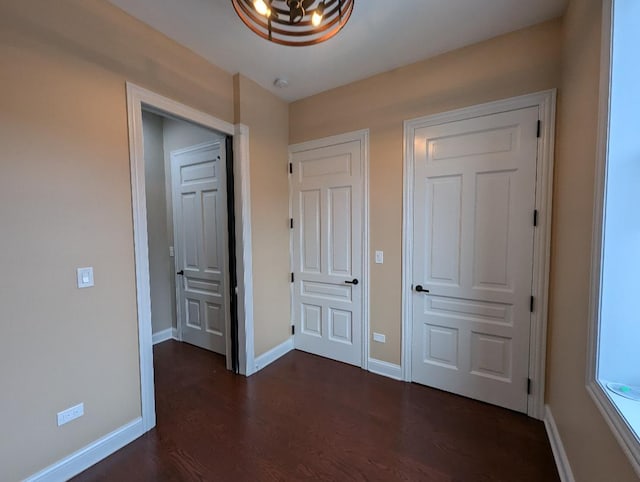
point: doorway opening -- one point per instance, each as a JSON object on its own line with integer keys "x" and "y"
{"x": 192, "y": 237}
{"x": 190, "y": 264}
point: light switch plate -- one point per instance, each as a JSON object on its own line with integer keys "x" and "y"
{"x": 379, "y": 257}
{"x": 379, "y": 337}
{"x": 171, "y": 252}
{"x": 85, "y": 277}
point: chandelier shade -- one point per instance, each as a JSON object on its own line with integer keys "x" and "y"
{"x": 295, "y": 23}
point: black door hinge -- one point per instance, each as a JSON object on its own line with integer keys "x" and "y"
{"x": 531, "y": 304}
{"x": 292, "y": 278}
{"x": 528, "y": 386}
{"x": 293, "y": 329}
{"x": 535, "y": 217}
{"x": 291, "y": 223}
{"x": 290, "y": 168}
{"x": 539, "y": 129}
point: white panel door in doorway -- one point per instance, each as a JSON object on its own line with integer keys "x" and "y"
{"x": 474, "y": 201}
{"x": 200, "y": 236}
{"x": 327, "y": 205}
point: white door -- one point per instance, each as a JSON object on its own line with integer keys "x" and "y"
{"x": 200, "y": 237}
{"x": 473, "y": 255}
{"x": 327, "y": 201}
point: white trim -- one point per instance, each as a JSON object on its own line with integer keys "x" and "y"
{"x": 366, "y": 254}
{"x": 272, "y": 355}
{"x": 406, "y": 284}
{"x": 93, "y": 453}
{"x": 292, "y": 322}
{"x": 545, "y": 101}
{"x": 386, "y": 369}
{"x": 600, "y": 184}
{"x": 244, "y": 256}
{"x": 164, "y": 335}
{"x": 542, "y": 254}
{"x": 164, "y": 106}
{"x": 612, "y": 416}
{"x": 363, "y": 137}
{"x": 616, "y": 422}
{"x": 137, "y": 99}
{"x": 141, "y": 250}
{"x": 559, "y": 454}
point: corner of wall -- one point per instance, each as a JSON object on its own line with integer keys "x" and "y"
{"x": 237, "y": 119}
{"x": 267, "y": 116}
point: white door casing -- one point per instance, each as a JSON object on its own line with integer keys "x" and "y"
{"x": 329, "y": 250}
{"x": 474, "y": 202}
{"x": 138, "y": 99}
{"x": 200, "y": 236}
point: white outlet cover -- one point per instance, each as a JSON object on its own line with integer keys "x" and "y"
{"x": 85, "y": 277}
{"x": 70, "y": 414}
{"x": 379, "y": 337}
{"x": 379, "y": 257}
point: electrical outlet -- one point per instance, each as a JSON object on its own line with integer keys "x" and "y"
{"x": 70, "y": 414}
{"x": 379, "y": 257}
{"x": 171, "y": 252}
{"x": 379, "y": 337}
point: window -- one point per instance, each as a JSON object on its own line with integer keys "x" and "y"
{"x": 614, "y": 377}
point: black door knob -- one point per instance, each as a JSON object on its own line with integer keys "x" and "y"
{"x": 354, "y": 282}
{"x": 420, "y": 289}
{"x": 181, "y": 272}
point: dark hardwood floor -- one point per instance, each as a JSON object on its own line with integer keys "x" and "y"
{"x": 308, "y": 418}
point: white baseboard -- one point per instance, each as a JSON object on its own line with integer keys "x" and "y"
{"x": 164, "y": 335}
{"x": 91, "y": 454}
{"x": 386, "y": 369}
{"x": 560, "y": 456}
{"x": 273, "y": 354}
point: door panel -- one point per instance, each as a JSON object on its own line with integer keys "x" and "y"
{"x": 200, "y": 233}
{"x": 327, "y": 250}
{"x": 211, "y": 229}
{"x": 340, "y": 241}
{"x": 493, "y": 200}
{"x": 443, "y": 218}
{"x": 473, "y": 251}
{"x": 310, "y": 226}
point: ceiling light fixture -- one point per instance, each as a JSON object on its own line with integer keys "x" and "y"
{"x": 295, "y": 23}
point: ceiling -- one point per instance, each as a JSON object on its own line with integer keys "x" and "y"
{"x": 381, "y": 35}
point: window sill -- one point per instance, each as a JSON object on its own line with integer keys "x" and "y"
{"x": 623, "y": 417}
{"x": 629, "y": 409}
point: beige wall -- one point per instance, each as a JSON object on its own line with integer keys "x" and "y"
{"x": 267, "y": 118}
{"x": 514, "y": 64}
{"x": 65, "y": 202}
{"x": 594, "y": 454}
{"x": 160, "y": 264}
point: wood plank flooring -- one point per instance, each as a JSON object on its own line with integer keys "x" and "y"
{"x": 308, "y": 418}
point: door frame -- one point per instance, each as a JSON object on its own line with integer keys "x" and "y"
{"x": 138, "y": 99}
{"x": 363, "y": 137}
{"x": 545, "y": 101}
